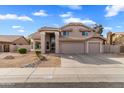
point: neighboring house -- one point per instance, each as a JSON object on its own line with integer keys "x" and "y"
{"x": 9, "y": 43}
{"x": 73, "y": 38}
{"x": 116, "y": 38}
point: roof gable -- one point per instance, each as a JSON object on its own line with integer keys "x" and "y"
{"x": 76, "y": 24}
{"x": 81, "y": 27}
{"x": 9, "y": 38}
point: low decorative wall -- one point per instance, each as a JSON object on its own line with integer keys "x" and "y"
{"x": 14, "y": 48}
{"x": 111, "y": 48}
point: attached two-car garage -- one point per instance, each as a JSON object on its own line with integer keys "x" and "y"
{"x": 72, "y": 47}
{"x": 92, "y": 46}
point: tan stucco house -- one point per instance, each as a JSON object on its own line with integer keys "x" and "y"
{"x": 116, "y": 38}
{"x": 10, "y": 43}
{"x": 73, "y": 38}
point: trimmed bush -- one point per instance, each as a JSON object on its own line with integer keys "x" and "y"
{"x": 22, "y": 50}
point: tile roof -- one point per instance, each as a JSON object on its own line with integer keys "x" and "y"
{"x": 9, "y": 38}
{"x": 35, "y": 35}
{"x": 119, "y": 33}
{"x": 48, "y": 28}
{"x": 76, "y": 24}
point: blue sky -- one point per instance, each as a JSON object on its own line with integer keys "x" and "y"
{"x": 26, "y": 19}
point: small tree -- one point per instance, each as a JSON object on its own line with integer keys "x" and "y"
{"x": 98, "y": 28}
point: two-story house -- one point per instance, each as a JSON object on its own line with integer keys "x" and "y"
{"x": 73, "y": 38}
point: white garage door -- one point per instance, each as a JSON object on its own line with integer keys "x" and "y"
{"x": 94, "y": 47}
{"x": 72, "y": 47}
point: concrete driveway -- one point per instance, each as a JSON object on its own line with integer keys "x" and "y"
{"x": 102, "y": 60}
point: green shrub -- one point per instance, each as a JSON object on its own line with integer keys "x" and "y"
{"x": 22, "y": 50}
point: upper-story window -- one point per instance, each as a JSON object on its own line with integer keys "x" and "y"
{"x": 84, "y": 33}
{"x": 65, "y": 33}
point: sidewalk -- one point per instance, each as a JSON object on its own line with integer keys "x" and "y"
{"x": 48, "y": 75}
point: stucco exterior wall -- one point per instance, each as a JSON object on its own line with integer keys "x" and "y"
{"x": 13, "y": 48}
{"x": 21, "y": 41}
{"x": 76, "y": 33}
{"x": 95, "y": 39}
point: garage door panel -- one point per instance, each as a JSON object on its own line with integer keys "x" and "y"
{"x": 72, "y": 48}
{"x": 94, "y": 47}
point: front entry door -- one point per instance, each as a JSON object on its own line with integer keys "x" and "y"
{"x": 6, "y": 48}
{"x": 52, "y": 43}
{"x": 47, "y": 46}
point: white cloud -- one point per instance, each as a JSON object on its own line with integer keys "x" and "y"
{"x": 74, "y": 19}
{"x": 107, "y": 28}
{"x": 25, "y": 18}
{"x": 118, "y": 26}
{"x": 56, "y": 25}
{"x": 88, "y": 22}
{"x": 16, "y": 27}
{"x": 74, "y": 7}
{"x": 68, "y": 14}
{"x": 40, "y": 13}
{"x": 14, "y": 17}
{"x": 114, "y": 10}
{"x": 21, "y": 30}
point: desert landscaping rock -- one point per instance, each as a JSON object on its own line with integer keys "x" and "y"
{"x": 9, "y": 57}
{"x": 19, "y": 60}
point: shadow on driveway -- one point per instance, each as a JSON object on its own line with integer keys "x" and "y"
{"x": 93, "y": 59}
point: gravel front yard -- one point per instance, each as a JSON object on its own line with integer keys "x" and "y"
{"x": 20, "y": 60}
{"x": 29, "y": 60}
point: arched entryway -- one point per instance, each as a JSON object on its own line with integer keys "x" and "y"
{"x": 50, "y": 43}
